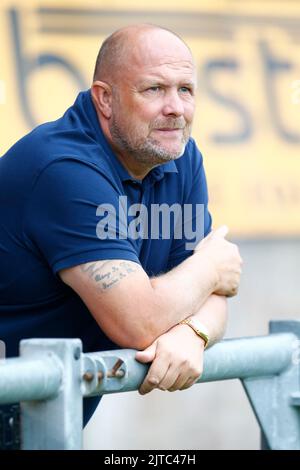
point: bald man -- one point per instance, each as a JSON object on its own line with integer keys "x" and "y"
{"x": 82, "y": 251}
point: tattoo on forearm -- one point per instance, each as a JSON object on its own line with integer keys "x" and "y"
{"x": 106, "y": 274}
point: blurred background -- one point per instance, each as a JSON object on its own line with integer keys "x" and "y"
{"x": 248, "y": 128}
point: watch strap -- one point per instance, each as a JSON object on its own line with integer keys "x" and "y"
{"x": 204, "y": 336}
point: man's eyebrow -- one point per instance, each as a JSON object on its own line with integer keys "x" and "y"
{"x": 188, "y": 84}
{"x": 151, "y": 81}
{"x": 160, "y": 81}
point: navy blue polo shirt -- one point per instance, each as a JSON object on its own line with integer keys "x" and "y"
{"x": 54, "y": 186}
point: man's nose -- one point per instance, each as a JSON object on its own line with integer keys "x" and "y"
{"x": 173, "y": 104}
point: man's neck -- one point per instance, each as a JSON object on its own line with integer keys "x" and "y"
{"x": 136, "y": 169}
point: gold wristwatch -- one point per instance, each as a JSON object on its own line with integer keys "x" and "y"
{"x": 198, "y": 328}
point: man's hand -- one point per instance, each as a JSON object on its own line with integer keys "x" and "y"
{"x": 177, "y": 360}
{"x": 225, "y": 259}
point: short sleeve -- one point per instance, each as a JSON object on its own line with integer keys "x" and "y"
{"x": 65, "y": 213}
{"x": 197, "y": 220}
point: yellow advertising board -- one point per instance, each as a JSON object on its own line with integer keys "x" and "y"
{"x": 248, "y": 103}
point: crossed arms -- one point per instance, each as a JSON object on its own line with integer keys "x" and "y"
{"x": 139, "y": 312}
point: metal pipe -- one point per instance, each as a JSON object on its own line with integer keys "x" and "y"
{"x": 23, "y": 379}
{"x": 248, "y": 357}
{"x": 229, "y": 359}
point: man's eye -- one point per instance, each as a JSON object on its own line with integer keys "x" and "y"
{"x": 185, "y": 89}
{"x": 153, "y": 88}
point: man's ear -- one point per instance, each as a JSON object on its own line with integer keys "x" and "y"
{"x": 102, "y": 97}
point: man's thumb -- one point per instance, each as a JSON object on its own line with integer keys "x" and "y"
{"x": 148, "y": 354}
{"x": 220, "y": 231}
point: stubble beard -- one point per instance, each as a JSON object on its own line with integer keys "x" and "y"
{"x": 148, "y": 150}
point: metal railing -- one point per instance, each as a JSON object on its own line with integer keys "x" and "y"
{"x": 52, "y": 376}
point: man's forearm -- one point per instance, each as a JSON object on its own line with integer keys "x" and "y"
{"x": 214, "y": 268}
{"x": 213, "y": 314}
{"x": 134, "y": 310}
{"x": 182, "y": 291}
{"x": 177, "y": 355}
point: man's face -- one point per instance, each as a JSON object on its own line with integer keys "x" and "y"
{"x": 153, "y": 102}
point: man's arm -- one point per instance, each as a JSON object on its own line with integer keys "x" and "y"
{"x": 177, "y": 356}
{"x": 134, "y": 310}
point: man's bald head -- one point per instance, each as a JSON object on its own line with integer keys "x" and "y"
{"x": 115, "y": 51}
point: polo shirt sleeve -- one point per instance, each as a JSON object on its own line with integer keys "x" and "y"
{"x": 198, "y": 221}
{"x": 66, "y": 214}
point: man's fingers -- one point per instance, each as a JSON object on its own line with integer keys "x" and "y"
{"x": 169, "y": 379}
{"x": 155, "y": 375}
{"x": 148, "y": 354}
{"x": 180, "y": 381}
{"x": 220, "y": 232}
{"x": 188, "y": 384}
{"x": 183, "y": 382}
{"x": 150, "y": 383}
